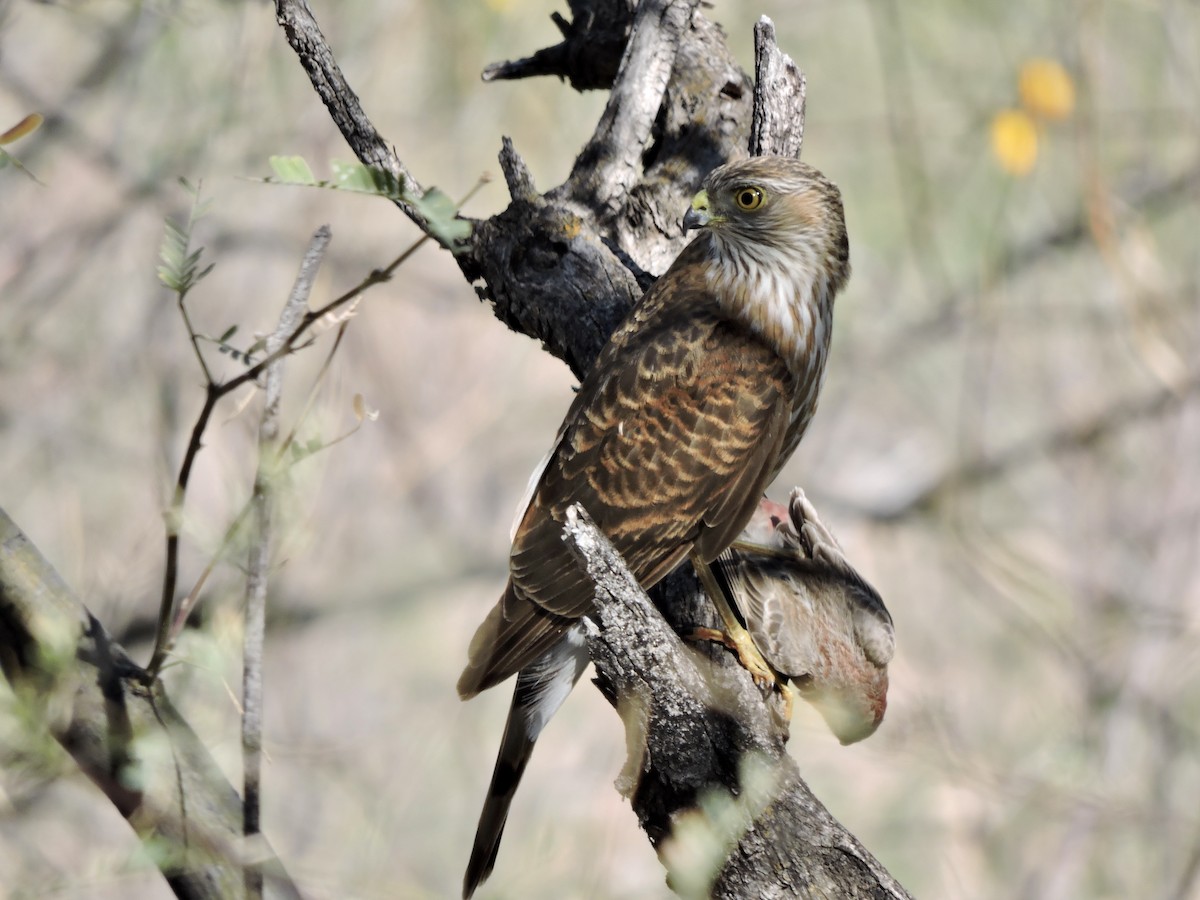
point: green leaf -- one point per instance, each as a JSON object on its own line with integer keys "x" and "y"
{"x": 292, "y": 170}
{"x": 353, "y": 176}
{"x": 180, "y": 270}
{"x": 438, "y": 210}
{"x": 347, "y": 176}
{"x": 441, "y": 216}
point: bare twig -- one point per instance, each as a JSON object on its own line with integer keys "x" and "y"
{"x": 259, "y": 561}
{"x": 213, "y": 395}
{"x": 194, "y": 340}
{"x": 174, "y": 523}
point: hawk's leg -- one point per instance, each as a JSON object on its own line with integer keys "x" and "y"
{"x": 699, "y": 633}
{"x": 734, "y": 636}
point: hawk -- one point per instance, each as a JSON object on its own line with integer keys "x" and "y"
{"x": 814, "y": 618}
{"x": 689, "y": 411}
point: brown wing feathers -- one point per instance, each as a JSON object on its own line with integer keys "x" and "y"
{"x": 655, "y": 448}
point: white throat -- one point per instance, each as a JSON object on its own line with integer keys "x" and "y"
{"x": 776, "y": 292}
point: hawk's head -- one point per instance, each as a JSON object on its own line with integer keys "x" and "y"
{"x": 774, "y": 250}
{"x": 774, "y": 210}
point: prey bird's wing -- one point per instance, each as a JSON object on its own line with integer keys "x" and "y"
{"x": 816, "y": 620}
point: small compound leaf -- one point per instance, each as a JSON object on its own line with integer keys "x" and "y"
{"x": 354, "y": 176}
{"x": 180, "y": 270}
{"x": 441, "y": 216}
{"x": 292, "y": 170}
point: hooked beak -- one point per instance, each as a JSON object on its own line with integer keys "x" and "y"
{"x": 697, "y": 216}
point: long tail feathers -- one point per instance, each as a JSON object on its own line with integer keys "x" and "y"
{"x": 515, "y": 750}
{"x": 541, "y": 688}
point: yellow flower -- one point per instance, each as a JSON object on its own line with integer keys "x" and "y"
{"x": 1014, "y": 141}
{"x": 1046, "y": 89}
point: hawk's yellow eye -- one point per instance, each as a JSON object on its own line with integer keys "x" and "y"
{"x": 748, "y": 198}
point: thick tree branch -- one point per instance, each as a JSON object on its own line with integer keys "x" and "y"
{"x": 692, "y": 724}
{"x": 590, "y": 52}
{"x": 610, "y": 163}
{"x": 525, "y": 256}
{"x": 59, "y": 659}
{"x": 563, "y": 268}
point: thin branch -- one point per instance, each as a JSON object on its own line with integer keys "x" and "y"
{"x": 213, "y": 395}
{"x": 188, "y": 603}
{"x": 174, "y": 523}
{"x": 192, "y": 277}
{"x": 1068, "y": 438}
{"x": 194, "y": 339}
{"x": 305, "y": 37}
{"x": 259, "y": 561}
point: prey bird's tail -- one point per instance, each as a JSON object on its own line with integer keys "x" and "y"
{"x": 541, "y": 688}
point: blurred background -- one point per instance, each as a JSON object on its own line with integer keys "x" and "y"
{"x": 1008, "y": 445}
